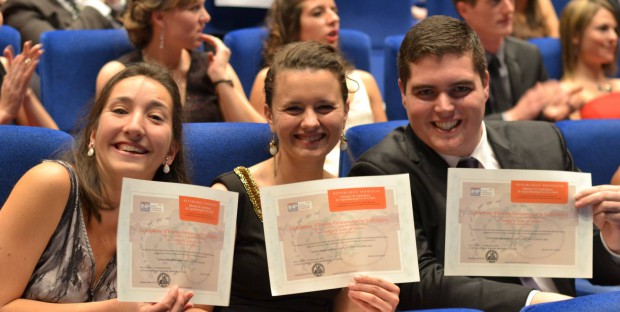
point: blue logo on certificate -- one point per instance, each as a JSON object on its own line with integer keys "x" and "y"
{"x": 292, "y": 207}
{"x": 474, "y": 191}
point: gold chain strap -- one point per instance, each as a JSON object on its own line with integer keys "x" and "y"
{"x": 250, "y": 186}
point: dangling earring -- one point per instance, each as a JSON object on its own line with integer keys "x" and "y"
{"x": 273, "y": 145}
{"x": 91, "y": 149}
{"x": 166, "y": 168}
{"x": 343, "y": 142}
{"x": 161, "y": 40}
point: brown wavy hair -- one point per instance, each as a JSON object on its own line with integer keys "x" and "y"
{"x": 90, "y": 185}
{"x": 137, "y": 18}
{"x": 283, "y": 22}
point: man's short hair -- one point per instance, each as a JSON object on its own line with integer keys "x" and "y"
{"x": 440, "y": 35}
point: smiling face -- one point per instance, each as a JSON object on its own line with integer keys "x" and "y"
{"x": 490, "y": 19}
{"x": 319, "y": 21}
{"x": 134, "y": 134}
{"x": 599, "y": 39}
{"x": 307, "y": 113}
{"x": 183, "y": 25}
{"x": 445, "y": 99}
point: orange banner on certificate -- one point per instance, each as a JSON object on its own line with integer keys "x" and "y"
{"x": 199, "y": 210}
{"x": 362, "y": 198}
{"x": 539, "y": 192}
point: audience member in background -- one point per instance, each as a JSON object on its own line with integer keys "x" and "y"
{"x": 34, "y": 17}
{"x": 306, "y": 108}
{"x": 444, "y": 86}
{"x": 519, "y": 88}
{"x": 535, "y": 18}
{"x": 589, "y": 57}
{"x": 167, "y": 32}
{"x": 58, "y": 225}
{"x": 304, "y": 20}
{"x": 18, "y": 102}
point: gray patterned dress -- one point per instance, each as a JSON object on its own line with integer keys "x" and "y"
{"x": 65, "y": 272}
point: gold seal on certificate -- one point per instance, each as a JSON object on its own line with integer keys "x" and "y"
{"x": 319, "y": 234}
{"x": 175, "y": 234}
{"x": 517, "y": 223}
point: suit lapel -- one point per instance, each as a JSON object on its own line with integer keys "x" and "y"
{"x": 508, "y": 157}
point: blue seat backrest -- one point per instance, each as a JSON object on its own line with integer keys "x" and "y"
{"x": 551, "y": 51}
{"x": 559, "y": 5}
{"x": 247, "y": 45}
{"x": 441, "y": 7}
{"x": 69, "y": 69}
{"x": 218, "y": 147}
{"x": 363, "y": 137}
{"x": 10, "y": 36}
{"x": 225, "y": 19}
{"x": 378, "y": 19}
{"x": 24, "y": 147}
{"x": 596, "y": 302}
{"x": 594, "y": 145}
{"x": 391, "y": 93}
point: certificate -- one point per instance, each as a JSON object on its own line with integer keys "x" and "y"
{"x": 175, "y": 234}
{"x": 319, "y": 234}
{"x": 519, "y": 223}
{"x": 265, "y": 4}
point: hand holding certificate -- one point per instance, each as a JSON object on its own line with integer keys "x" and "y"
{"x": 320, "y": 234}
{"x": 175, "y": 234}
{"x": 517, "y": 223}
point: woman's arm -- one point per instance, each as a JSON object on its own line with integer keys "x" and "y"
{"x": 33, "y": 113}
{"x": 257, "y": 95}
{"x": 27, "y": 221}
{"x": 550, "y": 18}
{"x": 376, "y": 101}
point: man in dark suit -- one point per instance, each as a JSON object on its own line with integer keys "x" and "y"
{"x": 34, "y": 17}
{"x": 519, "y": 88}
{"x": 444, "y": 86}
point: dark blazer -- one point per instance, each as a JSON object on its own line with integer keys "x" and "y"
{"x": 34, "y": 17}
{"x": 525, "y": 69}
{"x": 515, "y": 148}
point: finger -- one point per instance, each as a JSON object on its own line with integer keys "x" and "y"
{"x": 369, "y": 302}
{"x": 597, "y": 194}
{"x": 8, "y": 54}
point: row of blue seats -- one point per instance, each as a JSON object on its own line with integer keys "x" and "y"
{"x": 215, "y": 148}
{"x": 72, "y": 59}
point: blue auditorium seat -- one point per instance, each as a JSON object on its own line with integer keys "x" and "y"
{"x": 551, "y": 51}
{"x": 218, "y": 147}
{"x": 604, "y": 302}
{"x": 24, "y": 147}
{"x": 10, "y": 36}
{"x": 69, "y": 69}
{"x": 441, "y": 7}
{"x": 391, "y": 93}
{"x": 225, "y": 19}
{"x": 246, "y": 46}
{"x": 594, "y": 145}
{"x": 378, "y": 19}
{"x": 363, "y": 137}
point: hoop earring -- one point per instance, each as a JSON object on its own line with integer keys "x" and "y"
{"x": 91, "y": 149}
{"x": 344, "y": 145}
{"x": 273, "y": 145}
{"x": 166, "y": 168}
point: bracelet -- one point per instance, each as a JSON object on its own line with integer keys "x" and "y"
{"x": 226, "y": 81}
